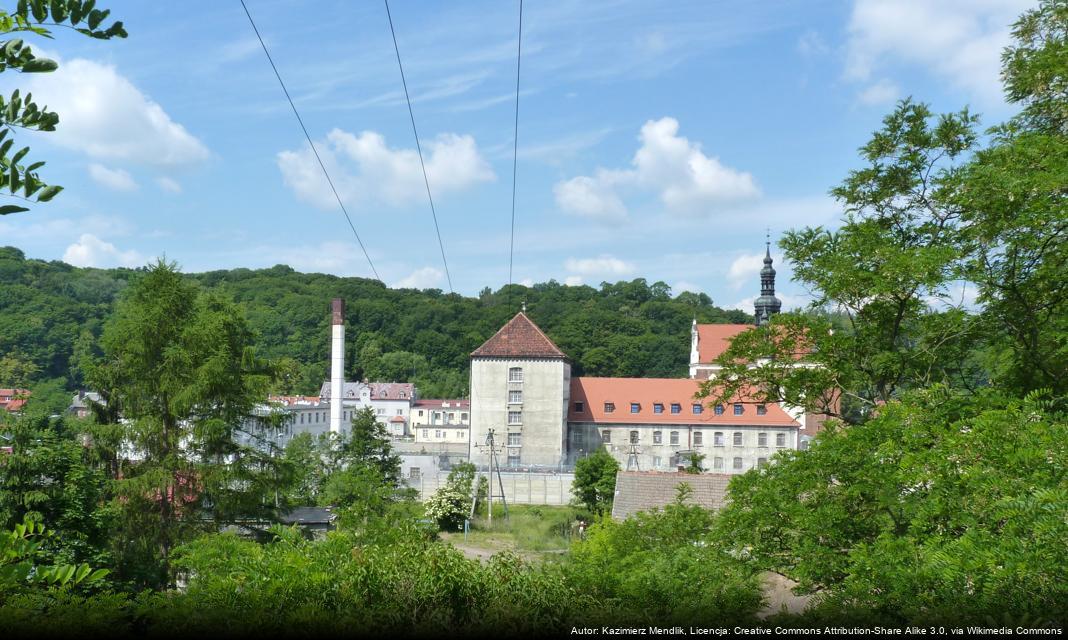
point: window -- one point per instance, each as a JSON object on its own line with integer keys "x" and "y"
{"x": 717, "y": 439}
{"x": 737, "y": 463}
{"x": 513, "y": 459}
{"x": 413, "y": 473}
{"x": 515, "y": 374}
{"x": 719, "y": 409}
{"x": 762, "y": 462}
{"x": 658, "y": 407}
{"x": 515, "y": 417}
{"x": 606, "y": 436}
{"x": 580, "y": 407}
{"x": 675, "y": 438}
{"x": 448, "y": 418}
{"x": 697, "y": 409}
{"x": 737, "y": 438}
{"x": 437, "y": 433}
{"x": 762, "y": 439}
{"x": 658, "y": 437}
{"x": 762, "y": 410}
{"x": 698, "y": 439}
{"x": 463, "y": 417}
{"x": 515, "y": 397}
{"x": 609, "y": 407}
{"x": 717, "y": 463}
{"x": 514, "y": 439}
{"x": 302, "y": 418}
{"x": 420, "y": 413}
{"x": 381, "y": 411}
{"x": 461, "y": 434}
{"x": 780, "y": 439}
{"x": 635, "y": 407}
{"x": 738, "y": 409}
{"x": 634, "y": 437}
{"x": 426, "y": 433}
{"x": 400, "y": 412}
{"x": 676, "y": 407}
{"x": 657, "y": 461}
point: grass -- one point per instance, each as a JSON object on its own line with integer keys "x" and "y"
{"x": 534, "y": 528}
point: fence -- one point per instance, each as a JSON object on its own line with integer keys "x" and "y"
{"x": 519, "y": 488}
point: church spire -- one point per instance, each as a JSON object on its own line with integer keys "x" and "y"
{"x": 767, "y": 304}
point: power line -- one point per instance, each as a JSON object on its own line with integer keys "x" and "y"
{"x": 515, "y": 148}
{"x": 418, "y": 148}
{"x": 310, "y": 143}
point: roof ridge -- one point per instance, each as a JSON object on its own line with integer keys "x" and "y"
{"x": 519, "y": 337}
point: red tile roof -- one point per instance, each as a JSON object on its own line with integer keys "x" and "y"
{"x": 713, "y": 339}
{"x": 593, "y": 393}
{"x": 396, "y": 419}
{"x": 520, "y": 338}
{"x": 392, "y": 390}
{"x": 13, "y": 399}
{"x": 440, "y": 404}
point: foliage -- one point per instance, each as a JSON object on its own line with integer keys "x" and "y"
{"x": 52, "y": 314}
{"x": 450, "y": 504}
{"x": 942, "y": 506}
{"x": 18, "y": 111}
{"x": 19, "y": 570}
{"x": 369, "y": 445}
{"x": 661, "y": 566}
{"x": 180, "y": 367}
{"x": 595, "y": 481}
{"x": 696, "y": 464}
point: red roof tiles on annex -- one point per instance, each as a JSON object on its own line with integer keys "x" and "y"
{"x": 713, "y": 339}
{"x": 520, "y": 338}
{"x": 440, "y": 404}
{"x": 595, "y": 392}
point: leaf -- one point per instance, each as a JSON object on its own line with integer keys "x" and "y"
{"x": 11, "y": 208}
{"x": 20, "y": 154}
{"x": 96, "y": 16}
{"x": 35, "y": 166}
{"x": 59, "y": 10}
{"x": 13, "y": 178}
{"x": 48, "y": 193}
{"x": 40, "y": 65}
{"x": 5, "y": 146}
{"x": 40, "y": 11}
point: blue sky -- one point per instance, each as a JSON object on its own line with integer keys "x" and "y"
{"x": 656, "y": 140}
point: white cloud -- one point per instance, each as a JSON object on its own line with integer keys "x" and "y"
{"x": 677, "y": 170}
{"x": 960, "y": 41}
{"x": 882, "y": 92}
{"x": 682, "y": 285}
{"x": 91, "y": 251}
{"x": 169, "y": 185}
{"x": 425, "y": 278}
{"x": 573, "y": 281}
{"x": 745, "y": 270}
{"x": 105, "y": 116}
{"x": 115, "y": 179}
{"x": 366, "y": 171}
{"x": 811, "y": 44}
{"x": 604, "y": 265}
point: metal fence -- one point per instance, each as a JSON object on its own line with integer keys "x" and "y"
{"x": 519, "y": 488}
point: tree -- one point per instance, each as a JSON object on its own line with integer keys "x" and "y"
{"x": 180, "y": 367}
{"x": 595, "y": 481}
{"x": 32, "y": 16}
{"x": 369, "y": 446}
{"x": 450, "y": 504}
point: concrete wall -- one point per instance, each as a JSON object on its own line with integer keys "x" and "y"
{"x": 585, "y": 437}
{"x": 546, "y": 392}
{"x": 519, "y": 488}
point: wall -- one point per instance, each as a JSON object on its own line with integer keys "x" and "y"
{"x": 519, "y": 488}
{"x": 546, "y": 391}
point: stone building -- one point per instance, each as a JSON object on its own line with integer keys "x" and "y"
{"x": 520, "y": 389}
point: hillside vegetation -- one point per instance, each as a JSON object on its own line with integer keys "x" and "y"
{"x": 51, "y": 315}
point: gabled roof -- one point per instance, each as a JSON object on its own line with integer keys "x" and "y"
{"x": 593, "y": 393}
{"x": 713, "y": 339}
{"x": 520, "y": 338}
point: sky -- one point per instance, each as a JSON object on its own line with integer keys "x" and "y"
{"x": 656, "y": 140}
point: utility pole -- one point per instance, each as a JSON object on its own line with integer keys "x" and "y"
{"x": 632, "y": 456}
{"x": 494, "y": 465}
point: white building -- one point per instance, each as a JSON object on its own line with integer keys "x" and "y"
{"x": 437, "y": 421}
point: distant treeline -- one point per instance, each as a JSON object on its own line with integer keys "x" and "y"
{"x": 51, "y": 316}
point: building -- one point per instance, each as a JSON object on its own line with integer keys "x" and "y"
{"x": 520, "y": 390}
{"x": 390, "y": 401}
{"x": 437, "y": 421}
{"x": 656, "y": 424}
{"x": 80, "y": 404}
{"x": 13, "y": 400}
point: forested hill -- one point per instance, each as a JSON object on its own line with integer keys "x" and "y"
{"x": 51, "y": 315}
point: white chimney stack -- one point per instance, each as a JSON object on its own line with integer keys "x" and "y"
{"x": 337, "y": 364}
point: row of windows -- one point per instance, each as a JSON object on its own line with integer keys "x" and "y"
{"x": 658, "y": 407}
{"x": 698, "y": 438}
{"x": 718, "y": 463}
{"x": 438, "y": 433}
{"x": 321, "y": 416}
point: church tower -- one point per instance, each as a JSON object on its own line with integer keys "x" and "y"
{"x": 767, "y": 304}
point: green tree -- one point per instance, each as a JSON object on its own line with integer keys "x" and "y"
{"x": 595, "y": 481}
{"x": 32, "y": 17}
{"x": 180, "y": 366}
{"x": 369, "y": 445}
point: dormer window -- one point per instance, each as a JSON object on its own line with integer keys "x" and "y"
{"x": 738, "y": 409}
{"x": 579, "y": 407}
{"x": 762, "y": 410}
{"x": 658, "y": 408}
{"x": 635, "y": 407}
{"x": 719, "y": 409}
{"x": 676, "y": 407}
{"x": 609, "y": 407}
